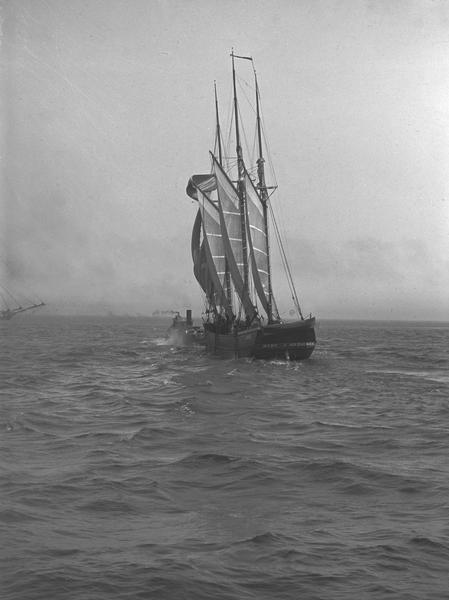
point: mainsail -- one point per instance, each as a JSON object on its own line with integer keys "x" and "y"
{"x": 221, "y": 247}
{"x": 214, "y": 251}
{"x": 231, "y": 228}
{"x": 257, "y": 241}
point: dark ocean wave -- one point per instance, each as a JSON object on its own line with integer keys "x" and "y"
{"x": 134, "y": 469}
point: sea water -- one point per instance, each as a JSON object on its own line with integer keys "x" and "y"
{"x": 133, "y": 469}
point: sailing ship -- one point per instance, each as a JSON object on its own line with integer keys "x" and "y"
{"x": 231, "y": 252}
{"x": 11, "y": 306}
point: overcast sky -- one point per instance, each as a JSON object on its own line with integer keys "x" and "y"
{"x": 107, "y": 110}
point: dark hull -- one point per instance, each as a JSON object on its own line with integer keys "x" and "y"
{"x": 231, "y": 345}
{"x": 292, "y": 341}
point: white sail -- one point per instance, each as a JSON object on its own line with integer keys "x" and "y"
{"x": 258, "y": 243}
{"x": 231, "y": 228}
{"x": 214, "y": 247}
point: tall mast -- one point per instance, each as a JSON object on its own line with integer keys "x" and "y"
{"x": 218, "y": 132}
{"x": 220, "y": 160}
{"x": 241, "y": 183}
{"x": 264, "y": 198}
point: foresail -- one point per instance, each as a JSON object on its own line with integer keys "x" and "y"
{"x": 214, "y": 250}
{"x": 231, "y": 228}
{"x": 200, "y": 269}
{"x": 257, "y": 241}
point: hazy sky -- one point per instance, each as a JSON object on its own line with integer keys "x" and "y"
{"x": 107, "y": 109}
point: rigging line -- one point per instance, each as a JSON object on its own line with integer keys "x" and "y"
{"x": 30, "y": 298}
{"x": 243, "y": 130}
{"x": 9, "y": 294}
{"x": 240, "y": 81}
{"x": 267, "y": 150}
{"x": 230, "y": 121}
{"x": 273, "y": 174}
{"x": 286, "y": 265}
{"x": 250, "y": 149}
{"x": 265, "y": 142}
{"x": 254, "y": 150}
{"x": 5, "y": 303}
{"x": 274, "y": 307}
{"x": 232, "y": 160}
{"x": 284, "y": 244}
{"x": 229, "y": 142}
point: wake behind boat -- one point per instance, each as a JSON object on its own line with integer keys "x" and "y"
{"x": 231, "y": 252}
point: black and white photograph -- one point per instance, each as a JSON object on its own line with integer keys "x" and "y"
{"x": 224, "y": 299}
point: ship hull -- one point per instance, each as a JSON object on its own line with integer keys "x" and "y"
{"x": 292, "y": 341}
{"x": 238, "y": 344}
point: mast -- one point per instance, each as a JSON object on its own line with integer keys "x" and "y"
{"x": 241, "y": 183}
{"x": 218, "y": 132}
{"x": 220, "y": 160}
{"x": 264, "y": 199}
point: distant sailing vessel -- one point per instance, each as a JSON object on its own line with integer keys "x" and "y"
{"x": 231, "y": 253}
{"x": 7, "y": 311}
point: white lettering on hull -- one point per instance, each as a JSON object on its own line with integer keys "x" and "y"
{"x": 290, "y": 345}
